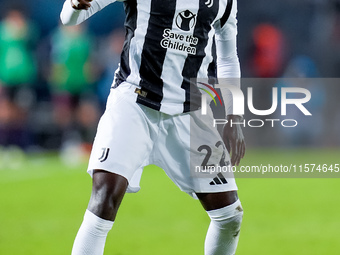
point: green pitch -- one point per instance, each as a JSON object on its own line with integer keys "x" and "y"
{"x": 42, "y": 204}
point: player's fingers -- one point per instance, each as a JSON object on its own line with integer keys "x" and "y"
{"x": 227, "y": 144}
{"x": 238, "y": 158}
{"x": 81, "y": 4}
{"x": 85, "y": 3}
{"x": 234, "y": 156}
{"x": 239, "y": 151}
{"x": 238, "y": 155}
{"x": 243, "y": 150}
{"x": 88, "y": 5}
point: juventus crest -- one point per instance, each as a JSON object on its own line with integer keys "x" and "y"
{"x": 104, "y": 155}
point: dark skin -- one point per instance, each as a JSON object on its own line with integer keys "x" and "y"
{"x": 83, "y": 5}
{"x": 108, "y": 189}
{"x": 234, "y": 140}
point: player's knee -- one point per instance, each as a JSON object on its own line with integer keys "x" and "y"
{"x": 107, "y": 193}
{"x": 229, "y": 218}
{"x": 104, "y": 202}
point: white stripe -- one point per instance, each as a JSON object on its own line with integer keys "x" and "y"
{"x": 137, "y": 42}
{"x": 208, "y": 49}
{"x": 173, "y": 94}
{"x": 221, "y": 9}
{"x": 202, "y": 73}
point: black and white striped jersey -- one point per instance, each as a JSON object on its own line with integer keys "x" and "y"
{"x": 169, "y": 42}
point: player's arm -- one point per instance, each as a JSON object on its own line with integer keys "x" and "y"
{"x": 75, "y": 12}
{"x": 228, "y": 66}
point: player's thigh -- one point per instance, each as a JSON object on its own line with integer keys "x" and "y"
{"x": 213, "y": 201}
{"x": 206, "y": 144}
{"x": 189, "y": 146}
{"x": 124, "y": 136}
{"x": 108, "y": 190}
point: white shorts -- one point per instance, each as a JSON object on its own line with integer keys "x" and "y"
{"x": 131, "y": 136}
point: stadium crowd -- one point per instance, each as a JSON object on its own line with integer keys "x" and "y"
{"x": 54, "y": 80}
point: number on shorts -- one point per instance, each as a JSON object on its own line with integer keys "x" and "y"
{"x": 209, "y": 153}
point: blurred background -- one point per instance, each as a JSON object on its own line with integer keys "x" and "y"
{"x": 54, "y": 80}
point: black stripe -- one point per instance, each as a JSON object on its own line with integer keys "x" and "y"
{"x": 217, "y": 181}
{"x": 205, "y": 17}
{"x": 153, "y": 55}
{"x": 227, "y": 12}
{"x": 222, "y": 178}
{"x": 130, "y": 8}
{"x": 212, "y": 69}
{"x": 104, "y": 155}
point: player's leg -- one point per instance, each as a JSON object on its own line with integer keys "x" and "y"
{"x": 225, "y": 212}
{"x": 187, "y": 142}
{"x": 213, "y": 201}
{"x": 108, "y": 190}
{"x": 120, "y": 162}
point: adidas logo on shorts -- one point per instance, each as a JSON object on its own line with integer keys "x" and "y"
{"x": 218, "y": 180}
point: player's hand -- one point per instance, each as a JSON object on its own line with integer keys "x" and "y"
{"x": 81, "y": 4}
{"x": 234, "y": 139}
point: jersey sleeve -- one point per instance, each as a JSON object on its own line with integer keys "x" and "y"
{"x": 70, "y": 16}
{"x": 228, "y": 65}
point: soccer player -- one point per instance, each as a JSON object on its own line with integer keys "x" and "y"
{"x": 152, "y": 116}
